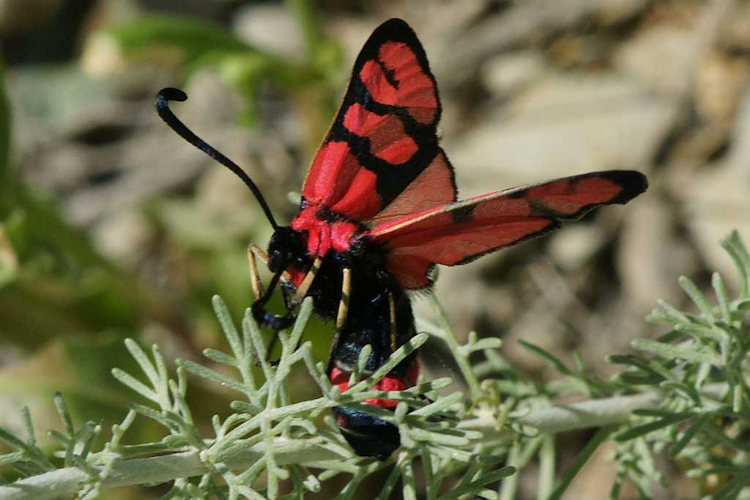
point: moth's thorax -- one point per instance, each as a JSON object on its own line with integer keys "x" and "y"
{"x": 324, "y": 231}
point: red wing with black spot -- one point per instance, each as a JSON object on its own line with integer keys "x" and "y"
{"x": 458, "y": 232}
{"x": 380, "y": 159}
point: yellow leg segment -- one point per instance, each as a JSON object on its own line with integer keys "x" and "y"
{"x": 254, "y": 251}
{"x": 303, "y": 287}
{"x": 346, "y": 288}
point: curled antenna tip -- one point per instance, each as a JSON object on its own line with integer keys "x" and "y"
{"x": 170, "y": 94}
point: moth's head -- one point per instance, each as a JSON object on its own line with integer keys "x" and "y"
{"x": 286, "y": 250}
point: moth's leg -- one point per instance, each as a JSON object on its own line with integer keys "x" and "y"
{"x": 332, "y": 355}
{"x": 341, "y": 315}
{"x": 253, "y": 251}
{"x": 261, "y": 254}
{"x": 274, "y": 321}
{"x": 272, "y": 344}
{"x": 258, "y": 252}
{"x": 392, "y": 316}
{"x": 304, "y": 287}
{"x": 346, "y": 288}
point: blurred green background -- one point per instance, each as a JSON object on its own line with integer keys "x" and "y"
{"x": 111, "y": 226}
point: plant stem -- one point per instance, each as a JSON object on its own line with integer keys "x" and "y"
{"x": 154, "y": 470}
{"x": 448, "y": 335}
{"x": 586, "y": 414}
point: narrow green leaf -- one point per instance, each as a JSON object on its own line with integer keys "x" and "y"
{"x": 245, "y": 407}
{"x": 696, "y": 296}
{"x": 637, "y": 363}
{"x": 687, "y": 436}
{"x": 303, "y": 317}
{"x": 359, "y": 367}
{"x": 62, "y": 410}
{"x": 87, "y": 435}
{"x": 252, "y": 331}
{"x": 12, "y": 440}
{"x": 398, "y": 355}
{"x": 219, "y": 357}
{"x": 135, "y": 384}
{"x": 426, "y": 387}
{"x": 696, "y": 353}
{"x": 644, "y": 429}
{"x": 586, "y": 453}
{"x": 227, "y": 326}
{"x": 9, "y": 458}
{"x": 670, "y": 313}
{"x": 547, "y": 460}
{"x": 469, "y": 474}
{"x": 438, "y": 438}
{"x": 212, "y": 375}
{"x": 409, "y": 489}
{"x": 140, "y": 356}
{"x": 150, "y": 413}
{"x": 58, "y": 436}
{"x": 738, "y": 393}
{"x": 737, "y": 251}
{"x": 509, "y": 486}
{"x": 701, "y": 332}
{"x": 486, "y": 478}
{"x": 390, "y": 482}
{"x": 486, "y": 343}
{"x": 443, "y": 403}
{"x": 552, "y": 360}
{"x": 721, "y": 296}
{"x": 28, "y": 425}
{"x": 161, "y": 370}
{"x": 631, "y": 378}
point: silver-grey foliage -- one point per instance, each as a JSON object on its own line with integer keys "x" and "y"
{"x": 685, "y": 397}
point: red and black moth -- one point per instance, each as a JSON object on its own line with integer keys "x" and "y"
{"x": 379, "y": 209}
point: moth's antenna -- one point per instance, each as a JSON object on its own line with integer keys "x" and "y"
{"x": 162, "y": 107}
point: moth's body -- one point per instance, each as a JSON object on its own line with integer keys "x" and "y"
{"x": 369, "y": 321}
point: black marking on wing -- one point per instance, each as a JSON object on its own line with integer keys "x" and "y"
{"x": 391, "y": 179}
{"x": 462, "y": 214}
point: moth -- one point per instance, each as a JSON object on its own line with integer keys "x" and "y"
{"x": 379, "y": 209}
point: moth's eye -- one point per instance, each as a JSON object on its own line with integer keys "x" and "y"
{"x": 277, "y": 259}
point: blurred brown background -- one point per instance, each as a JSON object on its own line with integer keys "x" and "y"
{"x": 112, "y": 226}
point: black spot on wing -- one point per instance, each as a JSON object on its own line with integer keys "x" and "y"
{"x": 462, "y": 214}
{"x": 391, "y": 179}
{"x": 390, "y": 75}
{"x": 632, "y": 182}
{"x": 520, "y": 193}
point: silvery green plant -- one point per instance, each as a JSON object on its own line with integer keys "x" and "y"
{"x": 682, "y": 396}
